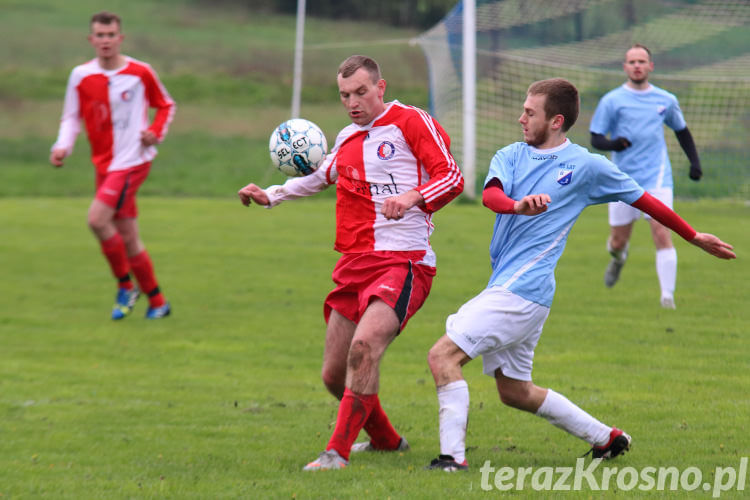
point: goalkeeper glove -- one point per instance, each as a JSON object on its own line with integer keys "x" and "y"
{"x": 695, "y": 172}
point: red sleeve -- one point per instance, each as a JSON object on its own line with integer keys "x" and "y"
{"x": 664, "y": 215}
{"x": 430, "y": 144}
{"x": 158, "y": 98}
{"x": 494, "y": 198}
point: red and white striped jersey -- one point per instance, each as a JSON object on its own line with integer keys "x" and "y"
{"x": 402, "y": 149}
{"x": 114, "y": 105}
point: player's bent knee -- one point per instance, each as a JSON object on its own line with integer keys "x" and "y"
{"x": 95, "y": 223}
{"x": 335, "y": 381}
{"x": 360, "y": 355}
{"x": 435, "y": 360}
{"x": 515, "y": 397}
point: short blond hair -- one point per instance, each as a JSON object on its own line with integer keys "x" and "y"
{"x": 352, "y": 63}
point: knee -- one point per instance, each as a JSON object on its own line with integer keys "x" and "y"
{"x": 334, "y": 383}
{"x": 617, "y": 241}
{"x": 435, "y": 360}
{"x": 360, "y": 355}
{"x": 96, "y": 223}
{"x": 516, "y": 397}
{"x": 443, "y": 366}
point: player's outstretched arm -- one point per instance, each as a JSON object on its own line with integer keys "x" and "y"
{"x": 667, "y": 217}
{"x": 251, "y": 193}
{"x": 714, "y": 246}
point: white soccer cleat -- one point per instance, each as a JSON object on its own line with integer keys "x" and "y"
{"x": 668, "y": 303}
{"x": 328, "y": 460}
{"x": 403, "y": 445}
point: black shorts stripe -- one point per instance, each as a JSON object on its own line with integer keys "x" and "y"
{"x": 124, "y": 191}
{"x": 402, "y": 304}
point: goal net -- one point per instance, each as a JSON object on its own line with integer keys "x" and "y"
{"x": 701, "y": 51}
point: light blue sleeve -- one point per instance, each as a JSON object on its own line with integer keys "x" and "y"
{"x": 674, "y": 118}
{"x": 612, "y": 184}
{"x": 601, "y": 121}
{"x": 501, "y": 167}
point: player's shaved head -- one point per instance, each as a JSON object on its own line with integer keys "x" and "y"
{"x": 562, "y": 99}
{"x": 353, "y": 63}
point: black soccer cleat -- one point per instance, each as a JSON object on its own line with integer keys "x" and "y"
{"x": 447, "y": 463}
{"x": 619, "y": 443}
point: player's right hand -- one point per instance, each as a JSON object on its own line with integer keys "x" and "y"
{"x": 533, "y": 204}
{"x": 251, "y": 193}
{"x": 621, "y": 143}
{"x": 56, "y": 157}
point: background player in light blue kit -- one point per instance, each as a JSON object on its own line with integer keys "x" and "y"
{"x": 634, "y": 115}
{"x": 538, "y": 187}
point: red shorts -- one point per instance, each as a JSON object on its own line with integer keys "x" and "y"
{"x": 394, "y": 277}
{"x": 117, "y": 189}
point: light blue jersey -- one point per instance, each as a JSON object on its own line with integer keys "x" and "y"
{"x": 639, "y": 116}
{"x": 525, "y": 249}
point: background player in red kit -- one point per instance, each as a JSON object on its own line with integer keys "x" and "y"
{"x": 112, "y": 94}
{"x": 392, "y": 168}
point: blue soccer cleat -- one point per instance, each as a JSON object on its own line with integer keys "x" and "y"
{"x": 124, "y": 302}
{"x": 158, "y": 312}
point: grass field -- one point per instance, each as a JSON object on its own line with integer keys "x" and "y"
{"x": 223, "y": 399}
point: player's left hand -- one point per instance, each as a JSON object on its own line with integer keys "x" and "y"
{"x": 714, "y": 246}
{"x": 533, "y": 204}
{"x": 395, "y": 207}
{"x": 695, "y": 172}
{"x": 148, "y": 138}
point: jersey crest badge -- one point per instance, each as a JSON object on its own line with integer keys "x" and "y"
{"x": 564, "y": 176}
{"x": 661, "y": 109}
{"x": 386, "y": 150}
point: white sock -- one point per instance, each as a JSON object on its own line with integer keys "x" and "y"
{"x": 666, "y": 269}
{"x": 560, "y": 412}
{"x": 453, "y": 399}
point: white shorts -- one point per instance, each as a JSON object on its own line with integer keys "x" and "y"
{"x": 501, "y": 327}
{"x": 622, "y": 214}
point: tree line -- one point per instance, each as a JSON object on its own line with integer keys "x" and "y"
{"x": 420, "y": 14}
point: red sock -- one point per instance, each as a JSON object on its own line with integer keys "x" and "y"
{"x": 354, "y": 410}
{"x": 113, "y": 249}
{"x": 382, "y": 434}
{"x": 144, "y": 273}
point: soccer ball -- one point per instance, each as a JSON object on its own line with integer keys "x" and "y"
{"x": 297, "y": 147}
